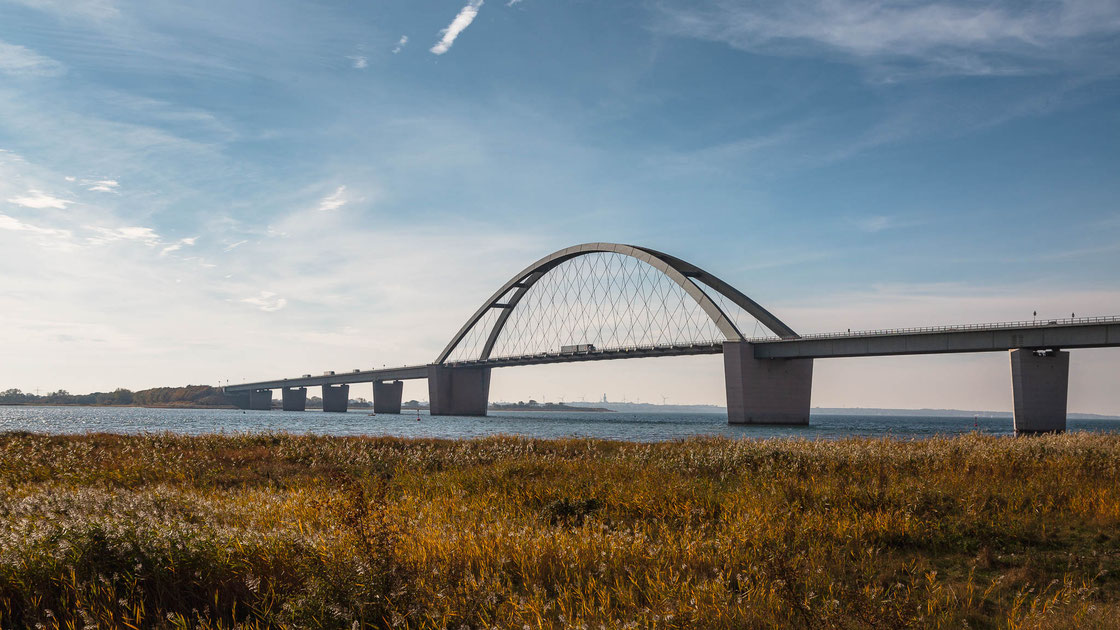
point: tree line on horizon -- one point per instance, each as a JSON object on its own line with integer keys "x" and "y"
{"x": 189, "y": 396}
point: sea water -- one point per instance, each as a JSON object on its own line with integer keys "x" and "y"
{"x": 641, "y": 427}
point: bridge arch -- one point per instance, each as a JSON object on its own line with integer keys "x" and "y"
{"x": 684, "y": 275}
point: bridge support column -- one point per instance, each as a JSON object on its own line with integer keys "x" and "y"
{"x": 458, "y": 391}
{"x": 387, "y": 396}
{"x": 765, "y": 391}
{"x": 295, "y": 398}
{"x": 239, "y": 399}
{"x": 1040, "y": 381}
{"x": 336, "y": 397}
{"x": 260, "y": 399}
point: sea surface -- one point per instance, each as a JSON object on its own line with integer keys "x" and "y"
{"x": 643, "y": 427}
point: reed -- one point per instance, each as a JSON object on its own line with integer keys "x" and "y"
{"x": 276, "y": 530}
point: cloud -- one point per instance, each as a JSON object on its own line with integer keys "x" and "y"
{"x": 458, "y": 25}
{"x": 233, "y": 246}
{"x": 512, "y": 2}
{"x": 39, "y": 200}
{"x": 266, "y": 301}
{"x": 401, "y": 44}
{"x": 946, "y": 37}
{"x": 19, "y": 60}
{"x": 104, "y": 235}
{"x": 360, "y": 62}
{"x": 15, "y": 225}
{"x": 101, "y": 185}
{"x": 333, "y": 201}
{"x": 177, "y": 245}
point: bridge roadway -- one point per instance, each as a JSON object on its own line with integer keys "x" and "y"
{"x": 1065, "y": 334}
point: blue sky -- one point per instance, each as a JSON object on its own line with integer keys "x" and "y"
{"x": 199, "y": 191}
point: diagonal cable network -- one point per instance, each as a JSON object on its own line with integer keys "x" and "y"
{"x": 605, "y": 299}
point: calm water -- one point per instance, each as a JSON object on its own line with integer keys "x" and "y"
{"x": 621, "y": 426}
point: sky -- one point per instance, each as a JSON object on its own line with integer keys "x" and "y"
{"x": 226, "y": 191}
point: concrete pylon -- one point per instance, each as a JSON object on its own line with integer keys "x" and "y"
{"x": 260, "y": 399}
{"x": 295, "y": 398}
{"x": 336, "y": 397}
{"x": 1040, "y": 383}
{"x": 387, "y": 396}
{"x": 458, "y": 391}
{"x": 765, "y": 391}
{"x": 239, "y": 399}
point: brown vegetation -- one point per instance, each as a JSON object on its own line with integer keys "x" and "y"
{"x": 298, "y": 531}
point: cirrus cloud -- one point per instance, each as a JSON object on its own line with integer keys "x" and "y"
{"x": 458, "y": 25}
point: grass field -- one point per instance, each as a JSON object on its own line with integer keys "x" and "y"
{"x": 290, "y": 531}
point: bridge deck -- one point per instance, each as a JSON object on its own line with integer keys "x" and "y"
{"x": 360, "y": 376}
{"x": 1085, "y": 332}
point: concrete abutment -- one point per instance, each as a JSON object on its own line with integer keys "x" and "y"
{"x": 458, "y": 391}
{"x": 766, "y": 391}
{"x": 1040, "y": 384}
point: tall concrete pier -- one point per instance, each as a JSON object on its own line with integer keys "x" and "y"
{"x": 458, "y": 391}
{"x": 765, "y": 391}
{"x": 260, "y": 399}
{"x": 387, "y": 396}
{"x": 1040, "y": 384}
{"x": 336, "y": 397}
{"x": 294, "y": 398}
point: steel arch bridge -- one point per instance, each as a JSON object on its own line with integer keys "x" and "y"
{"x": 608, "y": 300}
{"x": 599, "y": 301}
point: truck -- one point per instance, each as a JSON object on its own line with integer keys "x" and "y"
{"x": 579, "y": 347}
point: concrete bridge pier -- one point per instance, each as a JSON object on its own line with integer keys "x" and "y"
{"x": 387, "y": 396}
{"x": 295, "y": 398}
{"x": 765, "y": 391}
{"x": 1040, "y": 382}
{"x": 336, "y": 397}
{"x": 260, "y": 399}
{"x": 239, "y": 399}
{"x": 458, "y": 391}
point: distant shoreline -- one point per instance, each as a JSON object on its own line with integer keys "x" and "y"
{"x": 635, "y": 408}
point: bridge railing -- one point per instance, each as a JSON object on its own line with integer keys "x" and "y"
{"x": 1030, "y": 323}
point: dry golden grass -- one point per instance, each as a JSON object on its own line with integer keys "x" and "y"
{"x": 294, "y": 531}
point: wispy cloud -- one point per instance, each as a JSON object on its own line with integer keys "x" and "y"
{"x": 101, "y": 185}
{"x": 177, "y": 245}
{"x": 359, "y": 62}
{"x": 401, "y": 43}
{"x": 462, "y": 21}
{"x": 333, "y": 201}
{"x": 19, "y": 60}
{"x": 267, "y": 301}
{"x": 39, "y": 200}
{"x": 15, "y": 225}
{"x": 233, "y": 246}
{"x": 947, "y": 37}
{"x": 103, "y": 235}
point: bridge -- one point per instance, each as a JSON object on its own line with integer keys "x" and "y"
{"x": 605, "y": 301}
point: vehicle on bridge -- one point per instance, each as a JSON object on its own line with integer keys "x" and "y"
{"x": 579, "y": 347}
